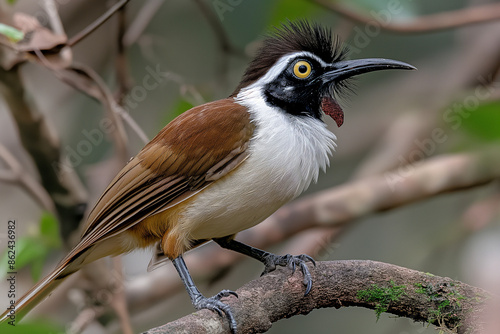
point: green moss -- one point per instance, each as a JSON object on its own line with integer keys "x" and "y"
{"x": 445, "y": 301}
{"x": 382, "y": 296}
{"x": 420, "y": 288}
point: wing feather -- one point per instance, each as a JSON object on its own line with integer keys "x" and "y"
{"x": 197, "y": 148}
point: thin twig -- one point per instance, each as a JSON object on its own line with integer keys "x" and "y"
{"x": 123, "y": 79}
{"x": 83, "y": 320}
{"x": 122, "y": 73}
{"x": 65, "y": 52}
{"x": 141, "y": 21}
{"x": 109, "y": 102}
{"x": 186, "y": 90}
{"x": 54, "y": 19}
{"x": 97, "y": 23}
{"x": 429, "y": 23}
{"x": 222, "y": 39}
{"x": 132, "y": 124}
{"x": 19, "y": 175}
{"x": 103, "y": 94}
{"x": 119, "y": 303}
{"x": 215, "y": 23}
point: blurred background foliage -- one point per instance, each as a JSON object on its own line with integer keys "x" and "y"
{"x": 456, "y": 89}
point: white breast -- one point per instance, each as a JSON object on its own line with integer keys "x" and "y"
{"x": 286, "y": 155}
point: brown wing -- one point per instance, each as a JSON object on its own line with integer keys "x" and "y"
{"x": 195, "y": 149}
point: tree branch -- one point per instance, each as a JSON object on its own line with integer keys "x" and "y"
{"x": 141, "y": 21}
{"x": 18, "y": 174}
{"x": 217, "y": 27}
{"x": 429, "y": 23}
{"x": 97, "y": 23}
{"x": 380, "y": 286}
{"x": 43, "y": 145}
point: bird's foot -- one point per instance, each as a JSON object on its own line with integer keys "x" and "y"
{"x": 290, "y": 261}
{"x": 214, "y": 304}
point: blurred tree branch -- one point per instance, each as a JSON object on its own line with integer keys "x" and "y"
{"x": 65, "y": 189}
{"x": 53, "y": 52}
{"x": 446, "y": 303}
{"x": 97, "y": 23}
{"x": 44, "y": 145}
{"x": 429, "y": 23}
{"x": 141, "y": 21}
{"x": 16, "y": 173}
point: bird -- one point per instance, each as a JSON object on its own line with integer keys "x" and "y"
{"x": 225, "y": 166}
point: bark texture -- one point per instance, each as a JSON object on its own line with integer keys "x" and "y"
{"x": 440, "y": 301}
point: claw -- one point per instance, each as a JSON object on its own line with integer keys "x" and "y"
{"x": 291, "y": 264}
{"x": 270, "y": 265}
{"x": 201, "y": 302}
{"x": 225, "y": 293}
{"x": 306, "y": 257}
{"x": 267, "y": 270}
{"x": 307, "y": 278}
{"x": 219, "y": 311}
{"x": 271, "y": 261}
{"x": 308, "y": 287}
{"x": 214, "y": 304}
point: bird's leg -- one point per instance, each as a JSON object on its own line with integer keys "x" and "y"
{"x": 270, "y": 260}
{"x": 199, "y": 301}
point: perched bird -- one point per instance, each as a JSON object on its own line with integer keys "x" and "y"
{"x": 224, "y": 166}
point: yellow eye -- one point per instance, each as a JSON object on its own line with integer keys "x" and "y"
{"x": 302, "y": 69}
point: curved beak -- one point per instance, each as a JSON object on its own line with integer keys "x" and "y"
{"x": 345, "y": 69}
{"x": 348, "y": 68}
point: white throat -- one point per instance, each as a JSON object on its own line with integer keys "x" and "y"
{"x": 294, "y": 147}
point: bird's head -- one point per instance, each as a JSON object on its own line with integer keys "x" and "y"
{"x": 300, "y": 67}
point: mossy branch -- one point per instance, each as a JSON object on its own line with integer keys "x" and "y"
{"x": 439, "y": 301}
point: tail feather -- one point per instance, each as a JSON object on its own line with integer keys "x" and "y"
{"x": 14, "y": 313}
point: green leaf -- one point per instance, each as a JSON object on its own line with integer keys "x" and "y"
{"x": 29, "y": 250}
{"x": 32, "y": 327}
{"x": 49, "y": 229}
{"x": 22, "y": 253}
{"x": 290, "y": 10}
{"x": 37, "y": 268}
{"x": 483, "y": 122}
{"x": 32, "y": 250}
{"x": 11, "y": 33}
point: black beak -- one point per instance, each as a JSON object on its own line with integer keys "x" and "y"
{"x": 348, "y": 68}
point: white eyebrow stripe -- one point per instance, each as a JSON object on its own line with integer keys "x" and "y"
{"x": 311, "y": 55}
{"x": 281, "y": 64}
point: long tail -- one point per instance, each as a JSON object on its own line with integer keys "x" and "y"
{"x": 15, "y": 312}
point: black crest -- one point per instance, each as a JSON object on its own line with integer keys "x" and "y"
{"x": 289, "y": 38}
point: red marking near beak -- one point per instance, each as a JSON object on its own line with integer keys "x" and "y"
{"x": 332, "y": 109}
